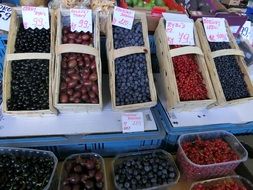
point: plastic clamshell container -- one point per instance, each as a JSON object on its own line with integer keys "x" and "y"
{"x": 239, "y": 179}
{"x": 72, "y": 157}
{"x": 37, "y": 153}
{"x": 193, "y": 171}
{"x": 122, "y": 157}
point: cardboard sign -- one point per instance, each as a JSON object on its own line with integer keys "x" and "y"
{"x": 81, "y": 20}
{"x": 246, "y": 30}
{"x": 5, "y": 17}
{"x": 179, "y": 33}
{"x": 35, "y": 17}
{"x": 132, "y": 122}
{"x": 179, "y": 29}
{"x": 123, "y": 17}
{"x": 215, "y": 29}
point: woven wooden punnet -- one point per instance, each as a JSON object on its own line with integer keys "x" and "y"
{"x": 113, "y": 54}
{"x": 16, "y": 18}
{"x": 165, "y": 54}
{"x": 209, "y": 56}
{"x": 76, "y": 48}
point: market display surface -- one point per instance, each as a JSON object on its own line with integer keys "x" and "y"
{"x": 165, "y": 123}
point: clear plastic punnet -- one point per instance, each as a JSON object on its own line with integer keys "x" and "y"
{"x": 25, "y": 152}
{"x": 241, "y": 181}
{"x": 118, "y": 160}
{"x": 84, "y": 156}
{"x": 193, "y": 171}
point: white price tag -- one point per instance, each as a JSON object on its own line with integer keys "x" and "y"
{"x": 215, "y": 29}
{"x": 123, "y": 17}
{"x": 132, "y": 122}
{"x": 246, "y": 30}
{"x": 5, "y": 17}
{"x": 179, "y": 33}
{"x": 35, "y": 17}
{"x": 81, "y": 20}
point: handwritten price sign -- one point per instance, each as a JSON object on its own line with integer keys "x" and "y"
{"x": 35, "y": 17}
{"x": 81, "y": 20}
{"x": 123, "y": 17}
{"x": 5, "y": 17}
{"x": 179, "y": 33}
{"x": 246, "y": 30}
{"x": 215, "y": 29}
{"x": 132, "y": 122}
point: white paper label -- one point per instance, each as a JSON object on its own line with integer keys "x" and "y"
{"x": 215, "y": 29}
{"x": 246, "y": 30}
{"x": 123, "y": 17}
{"x": 5, "y": 17}
{"x": 179, "y": 33}
{"x": 81, "y": 20}
{"x": 35, "y": 17}
{"x": 132, "y": 122}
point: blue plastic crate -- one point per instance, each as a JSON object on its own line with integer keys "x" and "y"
{"x": 14, "y": 2}
{"x": 3, "y": 43}
{"x": 173, "y": 133}
{"x": 105, "y": 144}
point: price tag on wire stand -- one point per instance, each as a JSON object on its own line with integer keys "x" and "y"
{"x": 179, "y": 33}
{"x": 123, "y": 17}
{"x": 5, "y": 17}
{"x": 246, "y": 30}
{"x": 132, "y": 122}
{"x": 35, "y": 17}
{"x": 81, "y": 20}
{"x": 215, "y": 29}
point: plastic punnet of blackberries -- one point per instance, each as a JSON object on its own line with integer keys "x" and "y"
{"x": 32, "y": 40}
{"x": 230, "y": 74}
{"x": 29, "y": 85}
{"x": 144, "y": 170}
{"x": 79, "y": 77}
{"x": 25, "y": 170}
{"x": 189, "y": 79}
{"x": 84, "y": 171}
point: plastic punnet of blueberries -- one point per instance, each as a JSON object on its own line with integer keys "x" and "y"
{"x": 230, "y": 74}
{"x": 144, "y": 170}
{"x": 29, "y": 85}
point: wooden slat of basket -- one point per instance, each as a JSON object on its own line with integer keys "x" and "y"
{"x": 165, "y": 54}
{"x": 112, "y": 54}
{"x": 10, "y": 55}
{"x": 221, "y": 100}
{"x": 77, "y": 48}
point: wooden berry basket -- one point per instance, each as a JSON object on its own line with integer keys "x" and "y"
{"x": 209, "y": 56}
{"x": 165, "y": 54}
{"x": 11, "y": 56}
{"x": 113, "y": 54}
{"x": 76, "y": 48}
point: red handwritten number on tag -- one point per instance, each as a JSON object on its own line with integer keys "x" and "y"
{"x": 38, "y": 22}
{"x": 184, "y": 38}
{"x": 83, "y": 24}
